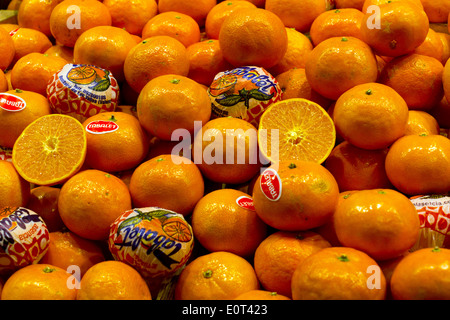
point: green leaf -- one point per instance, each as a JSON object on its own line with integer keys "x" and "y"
{"x": 230, "y": 100}
{"x": 129, "y": 222}
{"x": 102, "y": 85}
{"x": 8, "y": 16}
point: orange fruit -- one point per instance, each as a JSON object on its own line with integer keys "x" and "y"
{"x": 302, "y": 129}
{"x": 441, "y": 113}
{"x": 344, "y": 4}
{"x": 294, "y": 195}
{"x": 171, "y": 102}
{"x": 113, "y": 280}
{"x": 38, "y": 282}
{"x": 226, "y": 150}
{"x": 216, "y": 276}
{"x": 131, "y": 15}
{"x": 437, "y": 10}
{"x": 446, "y": 80}
{"x": 345, "y": 22}
{"x": 33, "y": 71}
{"x": 403, "y": 27}
{"x": 323, "y": 275}
{"x": 173, "y": 24}
{"x": 13, "y": 122}
{"x": 422, "y": 275}
{"x": 298, "y": 48}
{"x": 90, "y": 201}
{"x": 120, "y": 148}
{"x": 249, "y": 32}
{"x": 380, "y": 222}
{"x": 198, "y": 10}
{"x": 327, "y": 230}
{"x": 277, "y": 257}
{"x": 294, "y": 84}
{"x": 44, "y": 201}
{"x": 60, "y": 51}
{"x": 205, "y": 61}
{"x": 15, "y": 191}
{"x": 35, "y": 14}
{"x": 432, "y": 46}
{"x": 168, "y": 56}
{"x": 3, "y": 82}
{"x": 7, "y": 50}
{"x": 445, "y": 39}
{"x": 261, "y": 295}
{"x": 357, "y": 169}
{"x": 338, "y": 64}
{"x": 67, "y": 249}
{"x": 50, "y": 150}
{"x": 217, "y": 15}
{"x": 421, "y": 72}
{"x": 27, "y": 40}
{"x": 368, "y": 3}
{"x": 296, "y": 14}
{"x": 67, "y": 22}
{"x": 371, "y": 116}
{"x": 421, "y": 122}
{"x": 417, "y": 164}
{"x": 10, "y": 27}
{"x": 14, "y": 5}
{"x": 167, "y": 181}
{"x": 222, "y": 222}
{"x": 106, "y": 47}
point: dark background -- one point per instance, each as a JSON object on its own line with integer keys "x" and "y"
{"x": 4, "y": 4}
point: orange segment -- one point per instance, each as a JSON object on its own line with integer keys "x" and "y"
{"x": 50, "y": 150}
{"x": 305, "y": 131}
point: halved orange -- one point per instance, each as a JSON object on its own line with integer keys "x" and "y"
{"x": 300, "y": 128}
{"x": 50, "y": 150}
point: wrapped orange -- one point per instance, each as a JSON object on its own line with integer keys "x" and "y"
{"x": 82, "y": 91}
{"x": 244, "y": 93}
{"x": 24, "y": 238}
{"x": 157, "y": 242}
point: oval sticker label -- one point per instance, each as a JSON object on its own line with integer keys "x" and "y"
{"x": 13, "y": 32}
{"x": 101, "y": 126}
{"x": 270, "y": 184}
{"x": 10, "y": 102}
{"x": 245, "y": 202}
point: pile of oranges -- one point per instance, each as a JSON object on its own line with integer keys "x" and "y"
{"x": 362, "y": 127}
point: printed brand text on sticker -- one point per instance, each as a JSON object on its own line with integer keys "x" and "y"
{"x": 245, "y": 202}
{"x": 270, "y": 184}
{"x": 101, "y": 126}
{"x": 10, "y": 102}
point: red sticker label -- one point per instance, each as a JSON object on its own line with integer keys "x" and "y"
{"x": 10, "y": 102}
{"x": 245, "y": 202}
{"x": 101, "y": 127}
{"x": 270, "y": 184}
{"x": 13, "y": 32}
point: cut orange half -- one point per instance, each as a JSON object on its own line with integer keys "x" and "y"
{"x": 296, "y": 129}
{"x": 50, "y": 150}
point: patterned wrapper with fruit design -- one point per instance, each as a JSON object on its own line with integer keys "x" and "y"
{"x": 24, "y": 238}
{"x": 6, "y": 154}
{"x": 244, "y": 93}
{"x": 434, "y": 217}
{"x": 82, "y": 91}
{"x": 155, "y": 241}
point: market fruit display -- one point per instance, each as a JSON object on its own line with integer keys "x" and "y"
{"x": 225, "y": 150}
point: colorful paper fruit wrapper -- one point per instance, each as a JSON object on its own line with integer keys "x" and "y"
{"x": 24, "y": 238}
{"x": 434, "y": 217}
{"x": 155, "y": 241}
{"x": 6, "y": 154}
{"x": 82, "y": 91}
{"x": 244, "y": 93}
